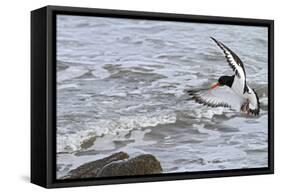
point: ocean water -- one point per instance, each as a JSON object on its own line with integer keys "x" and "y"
{"x": 121, "y": 85}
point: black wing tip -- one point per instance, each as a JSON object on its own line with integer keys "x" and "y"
{"x": 257, "y": 110}
{"x": 215, "y": 40}
{"x": 220, "y": 44}
{"x": 254, "y": 112}
{"x": 191, "y": 92}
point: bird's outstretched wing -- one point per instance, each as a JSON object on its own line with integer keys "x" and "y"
{"x": 219, "y": 97}
{"x": 235, "y": 63}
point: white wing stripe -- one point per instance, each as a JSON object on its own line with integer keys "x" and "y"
{"x": 236, "y": 67}
{"x": 219, "y": 97}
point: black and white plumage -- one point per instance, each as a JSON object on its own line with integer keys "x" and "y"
{"x": 230, "y": 91}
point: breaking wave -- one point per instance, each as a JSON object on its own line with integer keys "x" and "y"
{"x": 70, "y": 142}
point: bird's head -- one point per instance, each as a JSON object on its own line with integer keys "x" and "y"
{"x": 223, "y": 81}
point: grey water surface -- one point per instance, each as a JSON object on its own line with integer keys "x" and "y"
{"x": 121, "y": 86}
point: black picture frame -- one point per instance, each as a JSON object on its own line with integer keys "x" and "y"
{"x": 43, "y": 95}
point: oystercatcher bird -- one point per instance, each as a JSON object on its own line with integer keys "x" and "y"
{"x": 230, "y": 91}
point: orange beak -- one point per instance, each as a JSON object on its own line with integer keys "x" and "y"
{"x": 215, "y": 85}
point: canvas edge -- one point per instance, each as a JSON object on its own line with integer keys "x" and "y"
{"x": 51, "y": 181}
{"x": 38, "y": 170}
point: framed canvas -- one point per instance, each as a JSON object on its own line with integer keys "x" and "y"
{"x": 126, "y": 96}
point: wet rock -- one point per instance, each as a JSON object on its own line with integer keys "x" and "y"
{"x": 91, "y": 169}
{"x": 118, "y": 164}
{"x": 140, "y": 165}
{"x": 88, "y": 142}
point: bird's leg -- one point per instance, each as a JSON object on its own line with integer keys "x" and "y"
{"x": 245, "y": 106}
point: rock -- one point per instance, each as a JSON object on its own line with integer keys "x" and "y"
{"x": 140, "y": 165}
{"x": 91, "y": 169}
{"x": 88, "y": 142}
{"x": 118, "y": 164}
